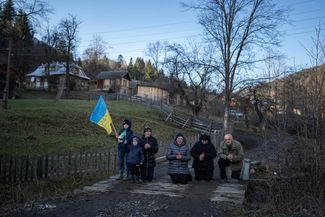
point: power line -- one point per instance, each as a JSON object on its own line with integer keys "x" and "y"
{"x": 141, "y": 28}
{"x": 151, "y": 34}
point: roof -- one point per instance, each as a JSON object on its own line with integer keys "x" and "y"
{"x": 134, "y": 84}
{"x": 113, "y": 74}
{"x": 59, "y": 69}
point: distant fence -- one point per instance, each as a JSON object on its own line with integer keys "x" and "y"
{"x": 179, "y": 119}
{"x": 53, "y": 166}
{"x": 28, "y": 168}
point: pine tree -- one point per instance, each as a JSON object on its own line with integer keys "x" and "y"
{"x": 23, "y": 27}
{"x": 149, "y": 71}
{"x": 130, "y": 68}
{"x": 139, "y": 69}
{"x": 23, "y": 45}
{"x": 7, "y": 13}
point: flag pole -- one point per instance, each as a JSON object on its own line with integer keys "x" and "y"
{"x": 116, "y": 135}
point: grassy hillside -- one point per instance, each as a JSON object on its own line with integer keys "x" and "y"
{"x": 32, "y": 126}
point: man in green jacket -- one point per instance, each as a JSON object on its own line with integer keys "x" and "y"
{"x": 230, "y": 154}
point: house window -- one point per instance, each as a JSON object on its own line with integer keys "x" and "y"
{"x": 124, "y": 83}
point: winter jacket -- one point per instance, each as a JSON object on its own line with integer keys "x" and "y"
{"x": 135, "y": 155}
{"x": 178, "y": 166}
{"x": 209, "y": 154}
{"x": 236, "y": 150}
{"x": 125, "y": 134}
{"x": 149, "y": 154}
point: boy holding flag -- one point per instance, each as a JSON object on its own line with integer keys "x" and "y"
{"x": 124, "y": 140}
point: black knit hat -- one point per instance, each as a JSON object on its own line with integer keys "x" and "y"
{"x": 147, "y": 129}
{"x": 126, "y": 121}
{"x": 205, "y": 137}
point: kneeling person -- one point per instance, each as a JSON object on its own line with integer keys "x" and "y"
{"x": 203, "y": 153}
{"x": 230, "y": 154}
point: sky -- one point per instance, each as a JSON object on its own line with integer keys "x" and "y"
{"x": 127, "y": 26}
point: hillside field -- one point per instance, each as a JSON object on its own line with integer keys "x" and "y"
{"x": 40, "y": 125}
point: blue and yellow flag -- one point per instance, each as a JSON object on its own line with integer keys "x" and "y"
{"x": 101, "y": 116}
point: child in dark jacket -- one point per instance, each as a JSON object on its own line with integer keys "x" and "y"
{"x": 135, "y": 159}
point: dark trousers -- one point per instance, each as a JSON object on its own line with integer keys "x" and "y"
{"x": 147, "y": 173}
{"x": 222, "y": 167}
{"x": 203, "y": 175}
{"x": 180, "y": 178}
{"x": 134, "y": 170}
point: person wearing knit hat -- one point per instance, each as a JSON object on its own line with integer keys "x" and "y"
{"x": 203, "y": 153}
{"x": 124, "y": 140}
{"x": 178, "y": 155}
{"x": 150, "y": 148}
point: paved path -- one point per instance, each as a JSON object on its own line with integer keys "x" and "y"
{"x": 233, "y": 191}
{"x": 113, "y": 197}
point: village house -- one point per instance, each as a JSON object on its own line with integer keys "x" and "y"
{"x": 111, "y": 81}
{"x": 38, "y": 79}
{"x": 150, "y": 91}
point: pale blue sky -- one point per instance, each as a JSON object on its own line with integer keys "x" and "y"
{"x": 129, "y": 25}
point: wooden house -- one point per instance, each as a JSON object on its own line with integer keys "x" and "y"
{"x": 150, "y": 91}
{"x": 38, "y": 79}
{"x": 112, "y": 81}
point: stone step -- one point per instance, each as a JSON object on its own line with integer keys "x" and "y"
{"x": 229, "y": 192}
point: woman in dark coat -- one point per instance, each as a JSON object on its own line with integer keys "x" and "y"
{"x": 203, "y": 153}
{"x": 150, "y": 148}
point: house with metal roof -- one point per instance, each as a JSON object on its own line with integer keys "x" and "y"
{"x": 42, "y": 77}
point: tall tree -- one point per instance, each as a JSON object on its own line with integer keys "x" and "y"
{"x": 139, "y": 69}
{"x": 184, "y": 63}
{"x": 149, "y": 71}
{"x": 236, "y": 28}
{"x": 68, "y": 29}
{"x": 120, "y": 62}
{"x": 51, "y": 40}
{"x": 130, "y": 67}
{"x": 32, "y": 9}
{"x": 157, "y": 52}
{"x": 94, "y": 56}
{"x": 23, "y": 45}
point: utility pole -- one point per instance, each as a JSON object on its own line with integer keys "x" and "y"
{"x": 6, "y": 90}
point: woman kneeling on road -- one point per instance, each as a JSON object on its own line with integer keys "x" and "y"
{"x": 203, "y": 153}
{"x": 178, "y": 155}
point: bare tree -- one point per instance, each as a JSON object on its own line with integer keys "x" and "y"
{"x": 235, "y": 28}
{"x": 192, "y": 78}
{"x": 93, "y": 55}
{"x": 157, "y": 52}
{"x": 68, "y": 29}
{"x": 51, "y": 40}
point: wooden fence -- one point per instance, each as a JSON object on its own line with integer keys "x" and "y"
{"x": 28, "y": 168}
{"x": 177, "y": 118}
{"x": 51, "y": 166}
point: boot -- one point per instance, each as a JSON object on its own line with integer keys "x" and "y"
{"x": 139, "y": 180}
{"x": 126, "y": 178}
{"x": 120, "y": 177}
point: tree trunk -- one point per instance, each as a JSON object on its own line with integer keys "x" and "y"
{"x": 7, "y": 88}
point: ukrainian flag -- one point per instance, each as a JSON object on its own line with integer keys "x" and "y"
{"x": 101, "y": 116}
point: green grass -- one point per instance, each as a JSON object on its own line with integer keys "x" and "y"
{"x": 36, "y": 126}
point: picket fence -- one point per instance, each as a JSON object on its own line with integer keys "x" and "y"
{"x": 20, "y": 169}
